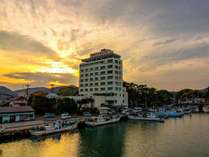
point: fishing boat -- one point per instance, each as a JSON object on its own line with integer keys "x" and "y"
{"x": 146, "y": 117}
{"x": 102, "y": 120}
{"x": 187, "y": 110}
{"x": 170, "y": 113}
{"x": 56, "y": 127}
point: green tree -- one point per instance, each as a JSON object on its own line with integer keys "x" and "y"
{"x": 68, "y": 91}
{"x": 66, "y": 105}
{"x": 41, "y": 103}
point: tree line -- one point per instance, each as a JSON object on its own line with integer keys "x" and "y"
{"x": 41, "y": 104}
{"x": 142, "y": 95}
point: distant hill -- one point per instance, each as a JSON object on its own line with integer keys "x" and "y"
{"x": 62, "y": 90}
{"x": 22, "y": 92}
{"x": 6, "y": 94}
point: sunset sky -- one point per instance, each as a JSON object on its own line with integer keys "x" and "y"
{"x": 164, "y": 43}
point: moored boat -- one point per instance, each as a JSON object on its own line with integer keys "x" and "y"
{"x": 102, "y": 120}
{"x": 57, "y": 127}
{"x": 170, "y": 113}
{"x": 146, "y": 117}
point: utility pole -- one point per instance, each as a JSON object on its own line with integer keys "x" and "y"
{"x": 27, "y": 91}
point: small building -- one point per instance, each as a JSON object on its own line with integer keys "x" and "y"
{"x": 19, "y": 101}
{"x": 16, "y": 114}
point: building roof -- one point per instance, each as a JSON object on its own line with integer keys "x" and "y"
{"x": 16, "y": 109}
{"x": 103, "y": 54}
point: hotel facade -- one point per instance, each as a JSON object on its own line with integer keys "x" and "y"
{"x": 101, "y": 77}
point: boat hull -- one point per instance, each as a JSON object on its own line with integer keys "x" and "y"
{"x": 146, "y": 119}
{"x": 94, "y": 124}
{"x": 46, "y": 132}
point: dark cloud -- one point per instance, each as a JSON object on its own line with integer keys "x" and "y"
{"x": 14, "y": 42}
{"x": 202, "y": 51}
{"x": 165, "y": 42}
{"x": 162, "y": 16}
{"x": 42, "y": 79}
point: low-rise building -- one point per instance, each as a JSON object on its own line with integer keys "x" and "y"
{"x": 16, "y": 114}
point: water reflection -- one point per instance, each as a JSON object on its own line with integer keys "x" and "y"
{"x": 66, "y": 146}
{"x": 188, "y": 136}
{"x": 104, "y": 141}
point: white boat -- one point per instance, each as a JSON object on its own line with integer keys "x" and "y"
{"x": 57, "y": 127}
{"x": 146, "y": 117}
{"x": 187, "y": 110}
{"x": 102, "y": 120}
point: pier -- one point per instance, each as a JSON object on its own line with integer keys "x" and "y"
{"x": 11, "y": 128}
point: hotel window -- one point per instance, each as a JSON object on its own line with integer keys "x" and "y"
{"x": 109, "y": 61}
{"x": 102, "y": 89}
{"x": 102, "y": 83}
{"x": 109, "y": 88}
{"x": 91, "y": 89}
{"x": 110, "y": 83}
{"x": 96, "y": 89}
{"x": 109, "y": 66}
{"x": 118, "y": 83}
{"x": 110, "y": 77}
{"x": 91, "y": 74}
{"x": 86, "y": 89}
{"x": 81, "y": 75}
{"x": 81, "y": 70}
{"x": 91, "y": 79}
{"x": 116, "y": 88}
{"x": 81, "y": 80}
{"x": 81, "y": 90}
{"x": 86, "y": 70}
{"x": 96, "y": 73}
{"x": 96, "y": 68}
{"x": 102, "y": 72}
{"x": 103, "y": 78}
{"x": 96, "y": 84}
{"x": 86, "y": 80}
{"x": 86, "y": 84}
{"x": 116, "y": 67}
{"x": 91, "y": 69}
{"x": 102, "y": 67}
{"x": 91, "y": 84}
{"x": 96, "y": 78}
{"x": 116, "y": 61}
{"x": 109, "y": 71}
{"x": 116, "y": 72}
{"x": 87, "y": 75}
{"x": 81, "y": 85}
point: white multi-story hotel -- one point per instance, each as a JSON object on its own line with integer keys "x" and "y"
{"x": 101, "y": 75}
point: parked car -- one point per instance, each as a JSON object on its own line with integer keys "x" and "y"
{"x": 65, "y": 116}
{"x": 86, "y": 114}
{"x": 49, "y": 115}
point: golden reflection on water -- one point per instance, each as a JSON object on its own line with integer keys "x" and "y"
{"x": 66, "y": 146}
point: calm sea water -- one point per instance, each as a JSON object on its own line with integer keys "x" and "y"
{"x": 185, "y": 137}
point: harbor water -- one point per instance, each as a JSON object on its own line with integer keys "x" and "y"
{"x": 181, "y": 137}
